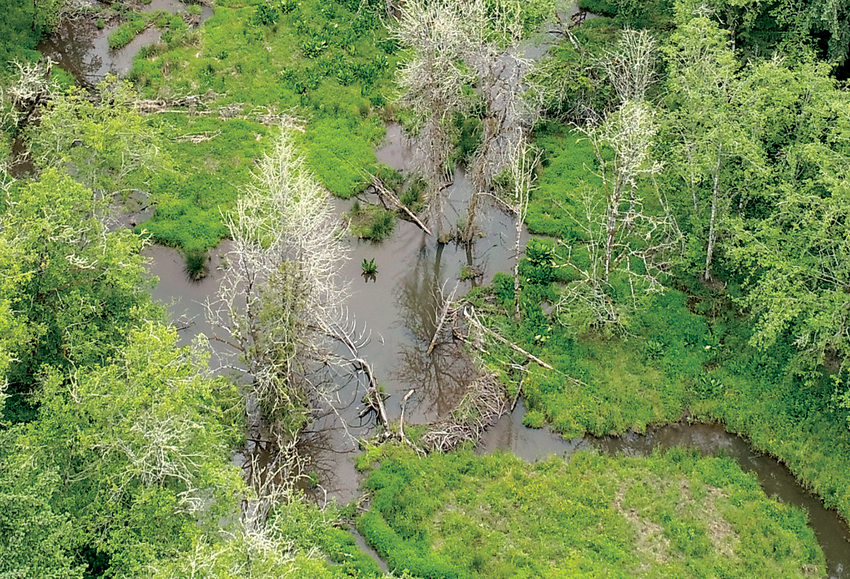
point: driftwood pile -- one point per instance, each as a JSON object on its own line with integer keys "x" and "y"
{"x": 487, "y": 399}
{"x": 484, "y": 403}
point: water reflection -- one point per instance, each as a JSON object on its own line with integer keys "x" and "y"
{"x": 441, "y": 377}
{"x": 82, "y": 49}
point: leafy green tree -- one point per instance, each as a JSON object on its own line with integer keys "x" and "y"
{"x": 832, "y": 19}
{"x": 101, "y": 135}
{"x": 707, "y": 127}
{"x": 71, "y": 288}
{"x": 796, "y": 250}
{"x": 140, "y": 451}
{"x": 35, "y": 538}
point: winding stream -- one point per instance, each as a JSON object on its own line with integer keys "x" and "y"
{"x": 831, "y": 530}
{"x": 398, "y": 308}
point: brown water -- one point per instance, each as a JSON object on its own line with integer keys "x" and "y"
{"x": 184, "y": 297}
{"x": 81, "y": 49}
{"x": 398, "y": 307}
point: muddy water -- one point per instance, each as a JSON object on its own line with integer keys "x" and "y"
{"x": 183, "y": 297}
{"x": 81, "y": 49}
{"x": 831, "y": 531}
{"x": 399, "y": 309}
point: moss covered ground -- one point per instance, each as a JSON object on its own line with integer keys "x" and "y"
{"x": 669, "y": 515}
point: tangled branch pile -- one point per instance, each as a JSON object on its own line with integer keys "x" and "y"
{"x": 483, "y": 404}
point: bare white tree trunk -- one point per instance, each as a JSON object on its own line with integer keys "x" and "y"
{"x": 631, "y": 65}
{"x": 522, "y": 173}
{"x": 494, "y": 54}
{"x": 712, "y": 233}
{"x": 432, "y": 86}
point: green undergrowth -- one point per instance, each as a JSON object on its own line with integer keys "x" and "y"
{"x": 370, "y": 221}
{"x": 570, "y": 82}
{"x": 568, "y": 163}
{"x": 655, "y": 14}
{"x": 310, "y": 529}
{"x": 667, "y": 515}
{"x": 329, "y": 63}
{"x": 20, "y": 31}
{"x": 201, "y": 164}
{"x": 19, "y": 35}
{"x": 685, "y": 352}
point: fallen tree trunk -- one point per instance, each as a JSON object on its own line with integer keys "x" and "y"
{"x": 469, "y": 315}
{"x": 385, "y": 193}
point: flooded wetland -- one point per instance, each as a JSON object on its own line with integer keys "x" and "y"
{"x": 398, "y": 309}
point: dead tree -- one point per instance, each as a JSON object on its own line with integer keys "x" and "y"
{"x": 385, "y": 194}
{"x": 630, "y": 67}
{"x": 431, "y": 85}
{"x": 621, "y": 237}
{"x": 279, "y": 304}
{"x": 443, "y": 314}
{"x": 493, "y": 53}
{"x": 26, "y": 94}
{"x": 484, "y": 403}
{"x": 522, "y": 183}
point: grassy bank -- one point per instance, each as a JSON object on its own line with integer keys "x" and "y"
{"x": 136, "y": 22}
{"x": 687, "y": 351}
{"x": 329, "y": 64}
{"x": 676, "y": 514}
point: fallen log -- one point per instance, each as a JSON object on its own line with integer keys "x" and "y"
{"x": 483, "y": 404}
{"x": 385, "y": 193}
{"x": 473, "y": 321}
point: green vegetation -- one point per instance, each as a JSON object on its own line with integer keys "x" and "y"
{"x": 330, "y": 62}
{"x": 104, "y": 138}
{"x": 370, "y": 221}
{"x": 691, "y": 349}
{"x": 202, "y": 162}
{"x": 676, "y": 514}
{"x": 23, "y": 25}
{"x": 72, "y": 298}
{"x": 693, "y": 260}
{"x": 567, "y": 164}
{"x": 369, "y": 267}
{"x": 116, "y": 444}
{"x": 196, "y": 263}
